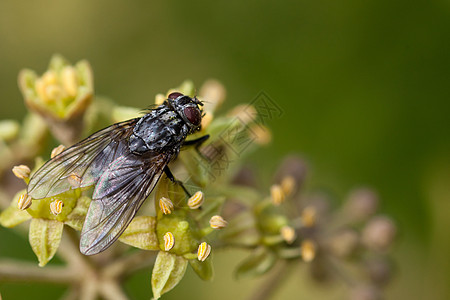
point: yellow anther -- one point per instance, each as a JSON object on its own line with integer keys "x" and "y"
{"x": 74, "y": 180}
{"x": 217, "y": 222}
{"x": 260, "y": 134}
{"x": 56, "y": 207}
{"x": 49, "y": 77}
{"x": 308, "y": 216}
{"x": 57, "y": 151}
{"x": 196, "y": 200}
{"x": 277, "y": 194}
{"x": 203, "y": 251}
{"x": 308, "y": 249}
{"x": 288, "y": 185}
{"x": 288, "y": 234}
{"x": 169, "y": 241}
{"x": 166, "y": 205}
{"x": 159, "y": 99}
{"x": 207, "y": 119}
{"x": 70, "y": 81}
{"x": 21, "y": 171}
{"x": 24, "y": 201}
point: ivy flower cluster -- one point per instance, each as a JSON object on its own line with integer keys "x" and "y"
{"x": 280, "y": 223}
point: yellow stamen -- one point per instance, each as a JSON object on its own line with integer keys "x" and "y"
{"x": 196, "y": 200}
{"x": 166, "y": 205}
{"x": 217, "y": 222}
{"x": 169, "y": 241}
{"x": 22, "y": 171}
{"x": 277, "y": 194}
{"x": 24, "y": 201}
{"x": 288, "y": 234}
{"x": 203, "y": 251}
{"x": 56, "y": 207}
{"x": 308, "y": 249}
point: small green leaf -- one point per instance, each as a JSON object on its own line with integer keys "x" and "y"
{"x": 169, "y": 269}
{"x": 76, "y": 217}
{"x": 45, "y": 236}
{"x": 256, "y": 264}
{"x": 141, "y": 233}
{"x": 203, "y": 269}
{"x": 13, "y": 216}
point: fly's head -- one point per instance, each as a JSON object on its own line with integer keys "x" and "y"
{"x": 187, "y": 108}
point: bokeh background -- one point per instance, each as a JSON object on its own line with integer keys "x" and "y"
{"x": 364, "y": 86}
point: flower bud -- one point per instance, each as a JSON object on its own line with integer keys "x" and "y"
{"x": 365, "y": 293}
{"x": 22, "y": 171}
{"x": 196, "y": 200}
{"x": 277, "y": 194}
{"x": 361, "y": 204}
{"x": 56, "y": 151}
{"x": 166, "y": 205}
{"x": 344, "y": 243}
{"x": 24, "y": 201}
{"x": 217, "y": 222}
{"x": 379, "y": 233}
{"x": 169, "y": 241}
{"x": 288, "y": 234}
{"x": 203, "y": 251}
{"x": 56, "y": 207}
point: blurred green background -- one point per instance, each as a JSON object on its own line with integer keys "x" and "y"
{"x": 364, "y": 86}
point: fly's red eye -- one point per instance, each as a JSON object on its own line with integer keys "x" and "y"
{"x": 174, "y": 95}
{"x": 193, "y": 115}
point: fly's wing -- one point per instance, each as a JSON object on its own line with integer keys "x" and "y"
{"x": 118, "y": 194}
{"x": 82, "y": 164}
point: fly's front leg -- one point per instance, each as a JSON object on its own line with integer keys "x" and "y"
{"x": 197, "y": 143}
{"x": 172, "y": 178}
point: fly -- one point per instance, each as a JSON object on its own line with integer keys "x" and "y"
{"x": 124, "y": 163}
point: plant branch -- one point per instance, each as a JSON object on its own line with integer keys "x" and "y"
{"x": 16, "y": 271}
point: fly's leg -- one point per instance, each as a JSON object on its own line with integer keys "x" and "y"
{"x": 197, "y": 143}
{"x": 172, "y": 178}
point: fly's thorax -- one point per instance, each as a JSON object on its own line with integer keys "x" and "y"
{"x": 160, "y": 130}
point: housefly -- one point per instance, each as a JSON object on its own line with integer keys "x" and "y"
{"x": 124, "y": 163}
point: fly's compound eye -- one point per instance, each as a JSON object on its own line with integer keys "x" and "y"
{"x": 174, "y": 95}
{"x": 193, "y": 115}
